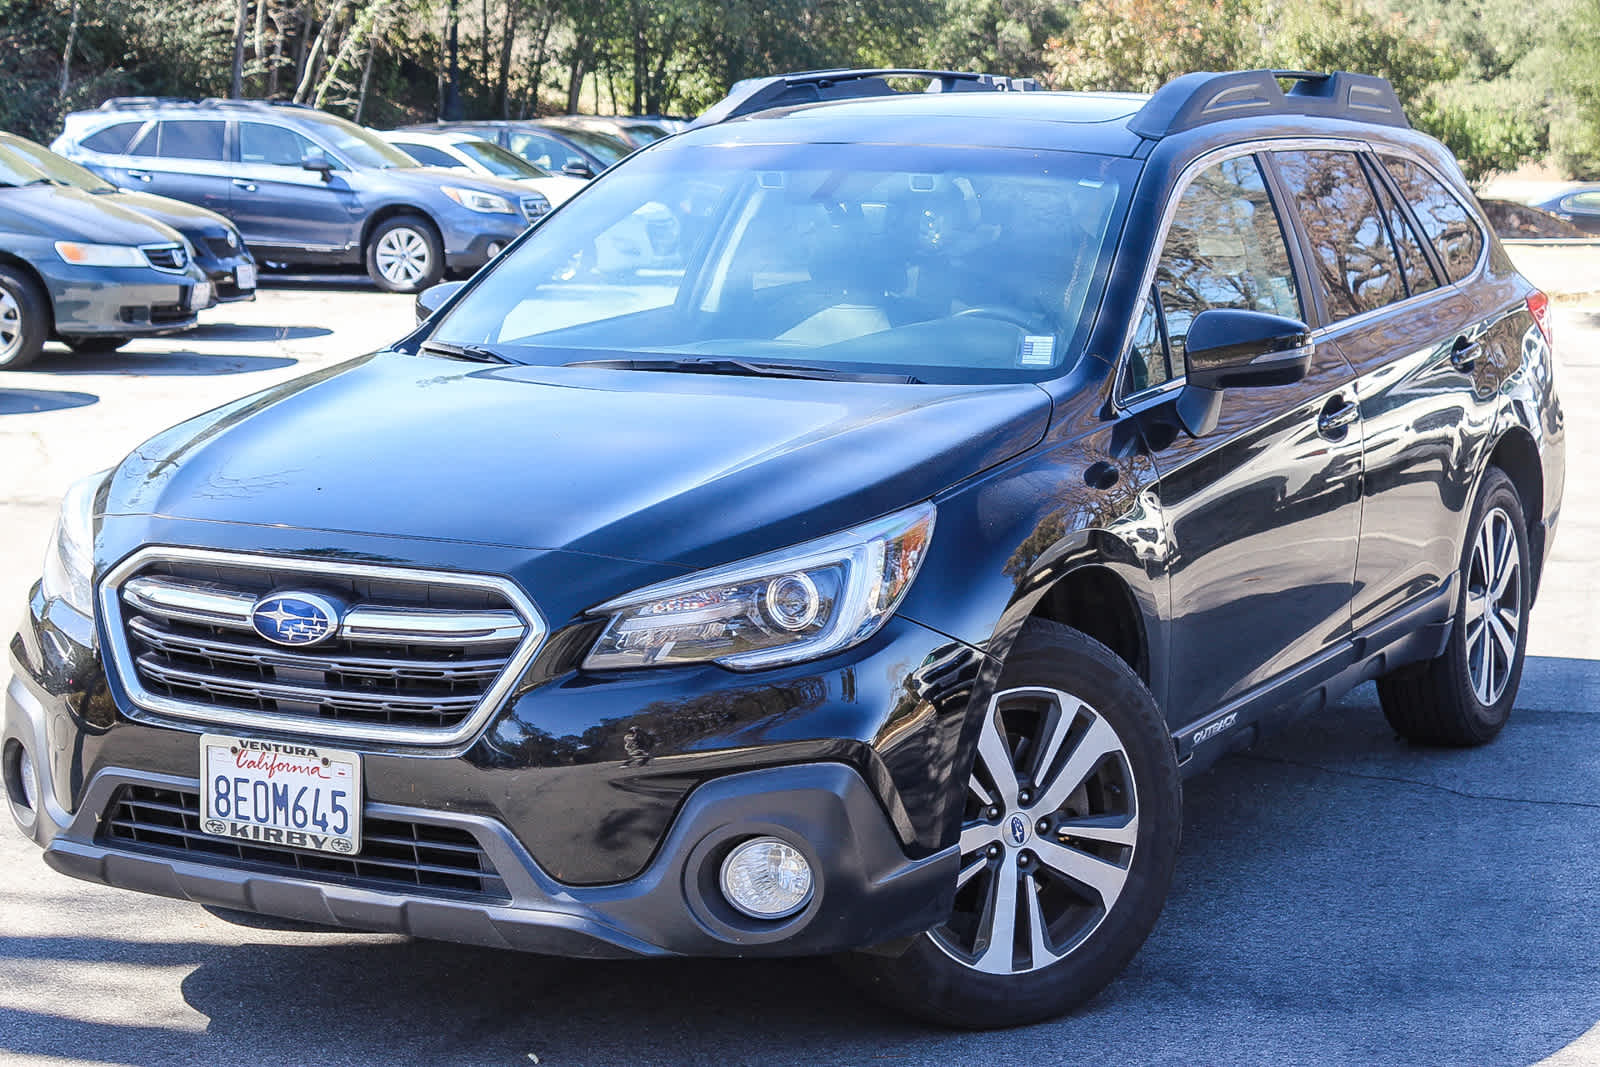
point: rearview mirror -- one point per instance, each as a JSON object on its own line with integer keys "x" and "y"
{"x": 1228, "y": 348}
{"x": 318, "y": 163}
{"x": 574, "y": 169}
{"x": 433, "y": 298}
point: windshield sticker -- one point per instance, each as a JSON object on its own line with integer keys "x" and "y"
{"x": 1038, "y": 350}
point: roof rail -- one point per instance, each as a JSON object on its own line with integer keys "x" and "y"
{"x": 1204, "y": 97}
{"x": 136, "y": 103}
{"x": 141, "y": 103}
{"x": 752, "y": 95}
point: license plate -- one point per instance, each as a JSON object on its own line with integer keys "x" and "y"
{"x": 284, "y": 794}
{"x": 200, "y": 296}
{"x": 244, "y": 276}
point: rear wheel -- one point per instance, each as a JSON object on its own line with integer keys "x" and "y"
{"x": 24, "y": 320}
{"x": 1068, "y": 842}
{"x": 405, "y": 255}
{"x": 1464, "y": 696}
{"x": 91, "y": 345}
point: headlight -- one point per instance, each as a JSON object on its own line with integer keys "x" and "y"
{"x": 69, "y": 560}
{"x": 795, "y": 604}
{"x": 87, "y": 255}
{"x": 472, "y": 200}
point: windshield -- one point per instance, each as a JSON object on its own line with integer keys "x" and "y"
{"x": 499, "y": 161}
{"x": 16, "y": 150}
{"x": 360, "y": 146}
{"x": 17, "y": 171}
{"x": 948, "y": 264}
{"x": 602, "y": 146}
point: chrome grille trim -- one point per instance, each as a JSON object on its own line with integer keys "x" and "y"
{"x": 485, "y": 638}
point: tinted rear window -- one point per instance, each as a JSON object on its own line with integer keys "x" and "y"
{"x": 188, "y": 139}
{"x": 1448, "y": 224}
{"x": 114, "y": 139}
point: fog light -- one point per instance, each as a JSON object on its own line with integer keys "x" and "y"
{"x": 494, "y": 248}
{"x": 20, "y": 781}
{"x": 30, "y": 784}
{"x": 766, "y": 878}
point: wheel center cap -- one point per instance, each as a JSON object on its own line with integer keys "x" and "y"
{"x": 1017, "y": 831}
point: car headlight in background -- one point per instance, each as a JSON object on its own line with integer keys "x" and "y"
{"x": 69, "y": 559}
{"x": 472, "y": 200}
{"x": 795, "y": 604}
{"x": 88, "y": 255}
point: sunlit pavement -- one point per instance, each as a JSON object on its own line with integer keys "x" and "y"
{"x": 1341, "y": 897}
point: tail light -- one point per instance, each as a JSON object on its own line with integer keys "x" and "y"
{"x": 1539, "y": 308}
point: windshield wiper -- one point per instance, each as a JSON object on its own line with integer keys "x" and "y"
{"x": 477, "y": 353}
{"x": 746, "y": 368}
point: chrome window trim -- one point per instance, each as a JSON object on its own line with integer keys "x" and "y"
{"x": 121, "y": 655}
{"x": 1146, "y": 397}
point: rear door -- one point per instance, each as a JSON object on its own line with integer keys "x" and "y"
{"x": 1264, "y": 513}
{"x": 278, "y": 204}
{"x": 184, "y": 159}
{"x": 1427, "y": 385}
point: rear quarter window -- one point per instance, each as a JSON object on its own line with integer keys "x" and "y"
{"x": 114, "y": 139}
{"x": 1449, "y": 225}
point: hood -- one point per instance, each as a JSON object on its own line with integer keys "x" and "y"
{"x": 65, "y": 214}
{"x": 187, "y": 219}
{"x": 686, "y": 469}
{"x": 434, "y": 177}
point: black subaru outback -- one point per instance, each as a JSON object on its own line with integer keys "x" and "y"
{"x": 838, "y": 530}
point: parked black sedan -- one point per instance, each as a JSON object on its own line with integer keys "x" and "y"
{"x": 87, "y": 270}
{"x": 1579, "y": 205}
{"x": 214, "y": 244}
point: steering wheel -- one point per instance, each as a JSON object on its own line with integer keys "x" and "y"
{"x": 1004, "y": 313}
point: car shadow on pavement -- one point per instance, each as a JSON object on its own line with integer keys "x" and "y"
{"x": 229, "y": 331}
{"x": 136, "y": 364}
{"x": 33, "y": 401}
{"x": 340, "y": 281}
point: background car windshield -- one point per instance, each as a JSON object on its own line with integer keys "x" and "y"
{"x": 602, "y": 146}
{"x": 499, "y": 161}
{"x": 949, "y": 264}
{"x": 52, "y": 166}
{"x": 360, "y": 146}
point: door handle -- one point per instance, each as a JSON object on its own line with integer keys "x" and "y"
{"x": 240, "y": 183}
{"x": 142, "y": 175}
{"x": 1464, "y": 354}
{"x": 1336, "y": 417}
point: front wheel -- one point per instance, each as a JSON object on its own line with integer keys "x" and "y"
{"x": 23, "y": 320}
{"x": 1068, "y": 843}
{"x": 405, "y": 255}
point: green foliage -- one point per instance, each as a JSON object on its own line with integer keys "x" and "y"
{"x": 1489, "y": 126}
{"x": 1003, "y": 36}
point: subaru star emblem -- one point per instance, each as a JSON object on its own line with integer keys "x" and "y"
{"x": 295, "y": 618}
{"x": 1019, "y": 829}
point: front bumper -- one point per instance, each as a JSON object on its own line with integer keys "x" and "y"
{"x": 224, "y": 274}
{"x": 119, "y": 301}
{"x": 617, "y": 857}
{"x": 467, "y": 244}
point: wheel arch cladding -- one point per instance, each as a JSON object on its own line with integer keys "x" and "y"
{"x": 1095, "y": 601}
{"x": 1518, "y": 456}
{"x": 395, "y": 211}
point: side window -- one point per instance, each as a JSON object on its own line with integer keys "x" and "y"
{"x": 1225, "y": 249}
{"x": 114, "y": 139}
{"x": 1350, "y": 246}
{"x": 1414, "y": 263}
{"x": 544, "y": 152}
{"x": 1448, "y": 225}
{"x": 429, "y": 156}
{"x": 1149, "y": 364}
{"x": 264, "y": 144}
{"x": 188, "y": 139}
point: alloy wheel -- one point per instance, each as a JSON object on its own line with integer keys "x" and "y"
{"x": 1048, "y": 837}
{"x": 403, "y": 257}
{"x": 1493, "y": 614}
{"x": 11, "y": 326}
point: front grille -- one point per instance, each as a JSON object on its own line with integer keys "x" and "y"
{"x": 412, "y": 657}
{"x": 170, "y": 258}
{"x": 395, "y": 853}
{"x": 535, "y": 208}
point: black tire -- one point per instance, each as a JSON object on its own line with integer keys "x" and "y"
{"x": 1440, "y": 702}
{"x": 24, "y": 319}
{"x": 422, "y": 264}
{"x": 927, "y": 980}
{"x": 92, "y": 345}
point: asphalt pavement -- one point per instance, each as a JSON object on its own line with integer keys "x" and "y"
{"x": 1342, "y": 897}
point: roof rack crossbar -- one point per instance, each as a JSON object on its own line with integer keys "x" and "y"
{"x": 145, "y": 103}
{"x": 805, "y": 87}
{"x": 1204, "y": 97}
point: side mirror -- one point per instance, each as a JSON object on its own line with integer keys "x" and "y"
{"x": 575, "y": 169}
{"x": 1227, "y": 348}
{"x": 318, "y": 163}
{"x": 433, "y": 298}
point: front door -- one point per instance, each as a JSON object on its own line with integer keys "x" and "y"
{"x": 1264, "y": 513}
{"x": 280, "y": 206}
